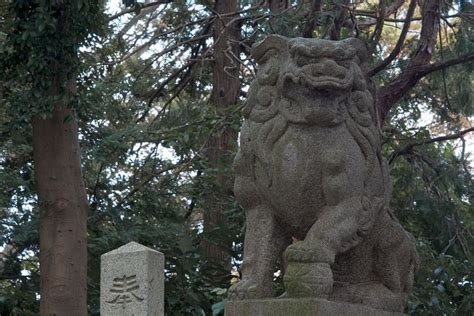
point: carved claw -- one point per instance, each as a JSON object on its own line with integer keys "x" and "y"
{"x": 244, "y": 289}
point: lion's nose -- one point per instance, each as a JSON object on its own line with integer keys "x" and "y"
{"x": 326, "y": 67}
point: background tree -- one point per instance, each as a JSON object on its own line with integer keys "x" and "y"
{"x": 221, "y": 146}
{"x": 146, "y": 124}
{"x": 39, "y": 62}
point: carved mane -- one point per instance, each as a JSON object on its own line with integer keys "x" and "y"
{"x": 267, "y": 107}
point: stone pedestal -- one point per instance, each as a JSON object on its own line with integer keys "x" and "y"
{"x": 300, "y": 307}
{"x": 132, "y": 282}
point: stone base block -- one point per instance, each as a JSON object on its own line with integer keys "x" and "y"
{"x": 300, "y": 307}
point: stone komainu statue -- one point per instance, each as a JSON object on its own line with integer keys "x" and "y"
{"x": 309, "y": 170}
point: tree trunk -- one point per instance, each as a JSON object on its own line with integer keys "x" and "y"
{"x": 390, "y": 93}
{"x": 225, "y": 93}
{"x": 276, "y": 6}
{"x": 63, "y": 210}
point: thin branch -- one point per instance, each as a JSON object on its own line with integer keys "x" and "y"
{"x": 136, "y": 19}
{"x": 178, "y": 167}
{"x": 409, "y": 148}
{"x": 378, "y": 27}
{"x": 462, "y": 241}
{"x": 94, "y": 200}
{"x": 161, "y": 91}
{"x": 373, "y": 18}
{"x": 192, "y": 205}
{"x": 391, "y": 9}
{"x": 445, "y": 86}
{"x": 398, "y": 47}
{"x": 388, "y": 95}
{"x": 311, "y": 18}
{"x": 450, "y": 243}
{"x": 144, "y": 6}
{"x": 184, "y": 80}
{"x": 277, "y": 6}
{"x": 427, "y": 69}
{"x": 209, "y": 19}
{"x": 182, "y": 84}
{"x": 8, "y": 251}
{"x": 163, "y": 52}
{"x": 354, "y": 24}
{"x": 467, "y": 173}
{"x": 429, "y": 32}
{"x": 203, "y": 37}
{"x": 338, "y": 21}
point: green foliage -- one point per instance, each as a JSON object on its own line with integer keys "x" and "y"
{"x": 42, "y": 37}
{"x": 433, "y": 196}
{"x": 145, "y": 120}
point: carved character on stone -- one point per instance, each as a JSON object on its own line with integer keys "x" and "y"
{"x": 124, "y": 290}
{"x": 309, "y": 168}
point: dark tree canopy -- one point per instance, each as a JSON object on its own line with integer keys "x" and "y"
{"x": 149, "y": 114}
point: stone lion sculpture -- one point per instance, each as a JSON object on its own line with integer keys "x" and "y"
{"x": 313, "y": 183}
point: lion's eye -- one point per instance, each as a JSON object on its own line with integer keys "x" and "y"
{"x": 344, "y": 63}
{"x": 339, "y": 53}
{"x": 343, "y": 54}
{"x": 301, "y": 61}
{"x": 305, "y": 60}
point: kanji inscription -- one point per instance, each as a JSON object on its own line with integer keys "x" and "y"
{"x": 124, "y": 290}
{"x": 132, "y": 282}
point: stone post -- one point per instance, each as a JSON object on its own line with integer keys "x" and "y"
{"x": 132, "y": 282}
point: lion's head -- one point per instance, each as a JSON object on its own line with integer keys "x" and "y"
{"x": 313, "y": 82}
{"x": 310, "y": 81}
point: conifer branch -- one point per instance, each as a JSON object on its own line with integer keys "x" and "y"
{"x": 409, "y": 148}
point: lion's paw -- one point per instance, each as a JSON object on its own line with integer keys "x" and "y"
{"x": 302, "y": 251}
{"x": 244, "y": 289}
{"x": 304, "y": 279}
{"x": 298, "y": 252}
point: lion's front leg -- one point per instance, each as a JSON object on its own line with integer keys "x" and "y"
{"x": 263, "y": 244}
{"x": 309, "y": 261}
{"x": 264, "y": 240}
{"x": 341, "y": 225}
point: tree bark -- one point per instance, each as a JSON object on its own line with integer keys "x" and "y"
{"x": 398, "y": 47}
{"x": 311, "y": 18}
{"x": 63, "y": 211}
{"x": 277, "y": 6}
{"x": 389, "y": 94}
{"x": 62, "y": 196}
{"x": 220, "y": 148}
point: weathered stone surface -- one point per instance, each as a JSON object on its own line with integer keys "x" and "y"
{"x": 301, "y": 307}
{"x": 309, "y": 168}
{"x": 132, "y": 282}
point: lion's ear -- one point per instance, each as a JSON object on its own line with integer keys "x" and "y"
{"x": 270, "y": 46}
{"x": 360, "y": 47}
